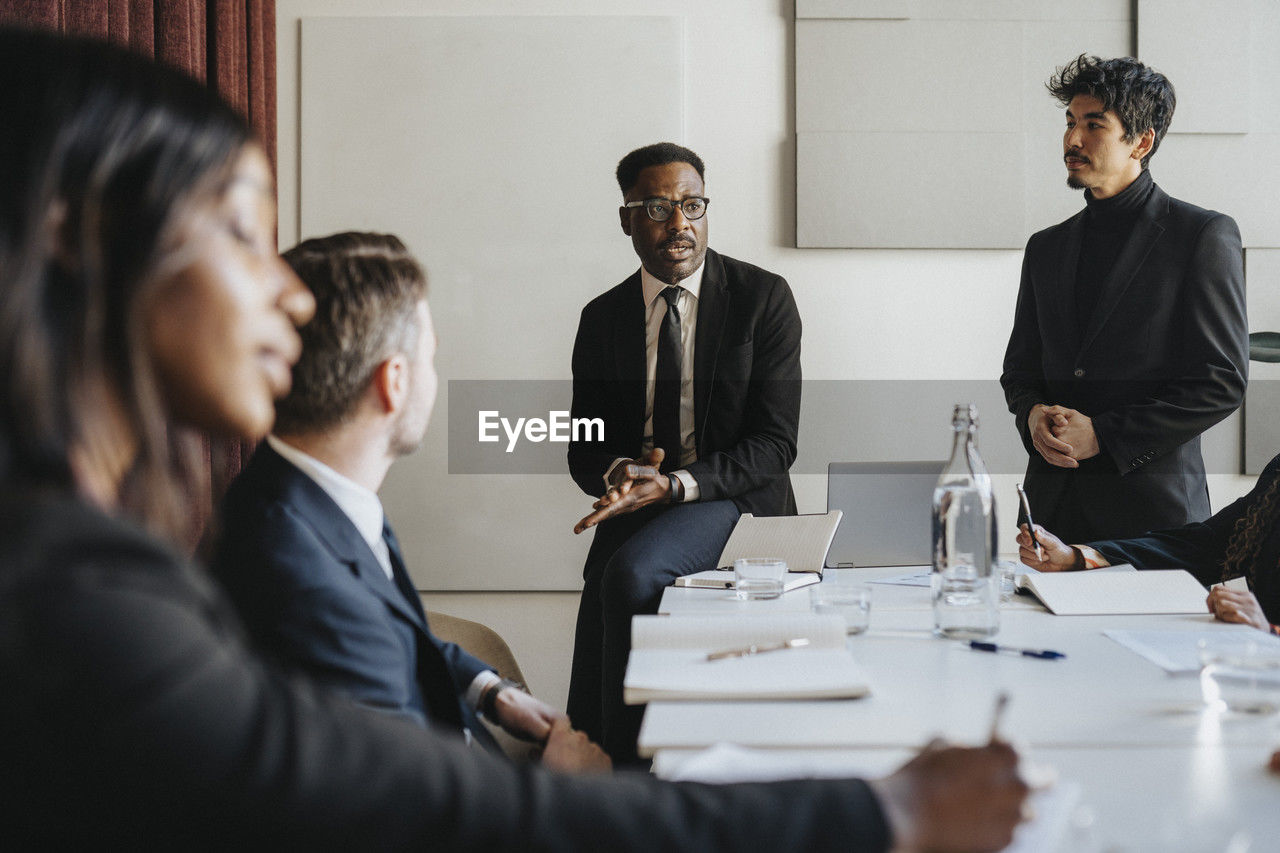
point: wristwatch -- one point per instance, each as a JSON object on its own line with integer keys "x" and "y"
{"x": 489, "y": 699}
{"x": 677, "y": 488}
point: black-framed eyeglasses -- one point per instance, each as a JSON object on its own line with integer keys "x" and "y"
{"x": 660, "y": 209}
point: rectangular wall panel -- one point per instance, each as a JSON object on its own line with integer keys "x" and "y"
{"x": 1203, "y": 47}
{"x": 908, "y": 76}
{"x": 961, "y": 86}
{"x": 489, "y": 145}
{"x": 864, "y": 9}
{"x": 967, "y": 10}
{"x": 1238, "y": 174}
{"x": 878, "y": 187}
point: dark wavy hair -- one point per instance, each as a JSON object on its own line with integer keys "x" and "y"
{"x": 101, "y": 154}
{"x": 658, "y": 154}
{"x": 1251, "y": 529}
{"x": 367, "y": 289}
{"x": 1141, "y": 96}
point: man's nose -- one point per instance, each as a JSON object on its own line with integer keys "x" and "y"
{"x": 677, "y": 222}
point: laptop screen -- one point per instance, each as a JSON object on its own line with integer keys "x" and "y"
{"x": 887, "y": 509}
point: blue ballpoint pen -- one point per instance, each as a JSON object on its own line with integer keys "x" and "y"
{"x": 1043, "y": 654}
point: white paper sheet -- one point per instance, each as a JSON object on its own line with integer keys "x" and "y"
{"x": 1177, "y": 652}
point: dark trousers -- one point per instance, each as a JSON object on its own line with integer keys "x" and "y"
{"x": 632, "y": 559}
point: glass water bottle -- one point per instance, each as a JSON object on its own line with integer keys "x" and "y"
{"x": 966, "y": 583}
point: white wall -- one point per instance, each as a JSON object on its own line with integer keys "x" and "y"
{"x": 868, "y": 314}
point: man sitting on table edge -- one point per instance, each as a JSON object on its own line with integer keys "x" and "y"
{"x": 692, "y": 364}
{"x": 1242, "y": 540}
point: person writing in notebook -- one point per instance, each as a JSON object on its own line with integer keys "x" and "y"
{"x": 1243, "y": 540}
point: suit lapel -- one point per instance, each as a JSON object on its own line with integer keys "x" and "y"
{"x": 1146, "y": 233}
{"x": 1066, "y": 264}
{"x": 629, "y": 352}
{"x": 713, "y": 310}
{"x": 339, "y": 535}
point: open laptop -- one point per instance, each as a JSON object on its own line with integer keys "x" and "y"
{"x": 887, "y": 509}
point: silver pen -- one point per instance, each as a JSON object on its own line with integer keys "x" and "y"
{"x": 759, "y": 649}
{"x": 1002, "y": 702}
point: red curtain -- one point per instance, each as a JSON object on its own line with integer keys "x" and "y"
{"x": 228, "y": 44}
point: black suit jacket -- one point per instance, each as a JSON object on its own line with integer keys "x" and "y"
{"x": 1163, "y": 357}
{"x": 746, "y": 385}
{"x": 314, "y": 596}
{"x": 135, "y": 715}
{"x": 1200, "y": 548}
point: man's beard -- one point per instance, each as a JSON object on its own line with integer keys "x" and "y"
{"x": 1075, "y": 183}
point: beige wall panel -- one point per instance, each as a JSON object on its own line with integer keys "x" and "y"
{"x": 1007, "y": 10}
{"x": 1262, "y": 276}
{"x": 908, "y": 76}
{"x": 1046, "y": 46}
{"x": 1264, "y": 65}
{"x": 1237, "y": 174}
{"x": 908, "y": 190}
{"x": 862, "y": 9}
{"x": 489, "y": 144}
{"x": 1203, "y": 46}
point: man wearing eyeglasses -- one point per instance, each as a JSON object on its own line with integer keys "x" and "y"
{"x": 693, "y": 364}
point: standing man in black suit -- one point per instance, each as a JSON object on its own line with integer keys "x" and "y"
{"x": 693, "y": 364}
{"x": 306, "y": 552}
{"x": 1129, "y": 338}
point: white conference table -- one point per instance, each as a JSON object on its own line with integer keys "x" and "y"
{"x": 1157, "y": 769}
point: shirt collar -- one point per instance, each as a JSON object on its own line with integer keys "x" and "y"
{"x": 651, "y": 287}
{"x": 358, "y": 503}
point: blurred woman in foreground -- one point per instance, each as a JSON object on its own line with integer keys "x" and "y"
{"x": 141, "y": 299}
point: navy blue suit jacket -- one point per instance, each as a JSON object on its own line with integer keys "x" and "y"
{"x": 313, "y": 595}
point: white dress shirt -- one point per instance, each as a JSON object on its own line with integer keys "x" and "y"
{"x": 655, "y": 308}
{"x": 364, "y": 509}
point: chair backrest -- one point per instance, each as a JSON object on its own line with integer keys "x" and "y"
{"x": 486, "y": 644}
{"x": 480, "y": 640}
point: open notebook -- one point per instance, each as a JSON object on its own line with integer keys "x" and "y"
{"x": 669, "y": 659}
{"x": 801, "y": 540}
{"x": 1101, "y": 592}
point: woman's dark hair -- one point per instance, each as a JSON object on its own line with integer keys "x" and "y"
{"x": 1141, "y": 96}
{"x": 1250, "y": 531}
{"x": 101, "y": 152}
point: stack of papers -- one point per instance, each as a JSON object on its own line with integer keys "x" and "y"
{"x": 1099, "y": 592}
{"x": 669, "y": 659}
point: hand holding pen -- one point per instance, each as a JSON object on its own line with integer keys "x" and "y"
{"x": 957, "y": 798}
{"x": 1031, "y": 524}
{"x": 1046, "y": 552}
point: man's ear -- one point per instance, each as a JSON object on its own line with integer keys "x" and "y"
{"x": 391, "y": 383}
{"x": 624, "y": 214}
{"x": 1145, "y": 143}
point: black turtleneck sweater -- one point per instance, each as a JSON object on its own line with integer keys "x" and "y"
{"x": 1108, "y": 222}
